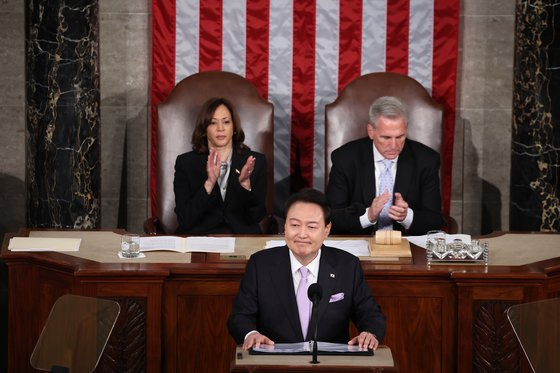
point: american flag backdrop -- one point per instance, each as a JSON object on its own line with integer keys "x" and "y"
{"x": 300, "y": 54}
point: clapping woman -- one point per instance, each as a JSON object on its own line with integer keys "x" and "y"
{"x": 220, "y": 186}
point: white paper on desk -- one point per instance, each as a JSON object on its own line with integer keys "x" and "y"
{"x": 421, "y": 240}
{"x": 274, "y": 243}
{"x": 44, "y": 244}
{"x": 156, "y": 243}
{"x": 189, "y": 244}
{"x": 291, "y": 348}
{"x": 211, "y": 244}
{"x": 354, "y": 247}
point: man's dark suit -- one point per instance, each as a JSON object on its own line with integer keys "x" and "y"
{"x": 351, "y": 186}
{"x": 200, "y": 213}
{"x": 266, "y": 300}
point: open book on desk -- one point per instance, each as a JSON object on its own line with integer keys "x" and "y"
{"x": 306, "y": 348}
{"x": 188, "y": 244}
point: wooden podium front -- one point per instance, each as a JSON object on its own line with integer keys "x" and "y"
{"x": 174, "y": 307}
{"x": 381, "y": 361}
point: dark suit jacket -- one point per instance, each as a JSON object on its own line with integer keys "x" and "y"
{"x": 200, "y": 213}
{"x": 351, "y": 186}
{"x": 266, "y": 300}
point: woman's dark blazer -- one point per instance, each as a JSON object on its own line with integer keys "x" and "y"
{"x": 200, "y": 213}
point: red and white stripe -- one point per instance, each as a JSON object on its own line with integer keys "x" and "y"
{"x": 299, "y": 55}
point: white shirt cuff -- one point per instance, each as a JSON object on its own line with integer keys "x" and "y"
{"x": 364, "y": 220}
{"x": 246, "y": 335}
{"x": 407, "y": 222}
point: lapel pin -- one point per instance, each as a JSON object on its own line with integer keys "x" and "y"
{"x": 236, "y": 170}
{"x": 332, "y": 275}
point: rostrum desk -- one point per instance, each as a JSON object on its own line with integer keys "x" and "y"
{"x": 442, "y": 318}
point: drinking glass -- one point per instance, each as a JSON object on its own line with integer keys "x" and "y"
{"x": 130, "y": 245}
{"x": 436, "y": 239}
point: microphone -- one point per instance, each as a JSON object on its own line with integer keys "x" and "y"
{"x": 315, "y": 293}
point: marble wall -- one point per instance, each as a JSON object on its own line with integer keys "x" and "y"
{"x": 62, "y": 97}
{"x": 484, "y": 97}
{"x": 535, "y": 198}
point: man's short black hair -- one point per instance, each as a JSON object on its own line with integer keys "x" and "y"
{"x": 310, "y": 195}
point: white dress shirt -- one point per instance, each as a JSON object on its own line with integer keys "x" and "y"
{"x": 378, "y": 160}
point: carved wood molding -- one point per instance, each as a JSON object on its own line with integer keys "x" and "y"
{"x": 126, "y": 348}
{"x": 495, "y": 347}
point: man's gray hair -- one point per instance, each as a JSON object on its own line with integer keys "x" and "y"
{"x": 387, "y": 106}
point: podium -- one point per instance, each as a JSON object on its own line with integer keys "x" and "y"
{"x": 75, "y": 334}
{"x": 537, "y": 327}
{"x": 381, "y": 361}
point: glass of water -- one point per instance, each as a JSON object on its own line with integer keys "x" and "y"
{"x": 435, "y": 243}
{"x": 130, "y": 245}
{"x": 432, "y": 236}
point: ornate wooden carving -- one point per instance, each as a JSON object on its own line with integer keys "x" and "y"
{"x": 495, "y": 347}
{"x": 126, "y": 348}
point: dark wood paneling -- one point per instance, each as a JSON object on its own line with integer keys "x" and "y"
{"x": 198, "y": 316}
{"x": 198, "y": 308}
{"x": 418, "y": 314}
{"x": 32, "y": 293}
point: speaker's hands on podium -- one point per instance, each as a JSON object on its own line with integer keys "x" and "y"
{"x": 365, "y": 340}
{"x": 256, "y": 339}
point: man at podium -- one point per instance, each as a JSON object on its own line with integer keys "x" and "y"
{"x": 272, "y": 305}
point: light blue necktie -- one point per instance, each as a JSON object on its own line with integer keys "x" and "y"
{"x": 384, "y": 222}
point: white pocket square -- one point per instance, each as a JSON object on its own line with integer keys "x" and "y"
{"x": 336, "y": 297}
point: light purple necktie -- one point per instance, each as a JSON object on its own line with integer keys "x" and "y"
{"x": 303, "y": 301}
{"x": 384, "y": 222}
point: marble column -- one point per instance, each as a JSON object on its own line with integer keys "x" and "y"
{"x": 535, "y": 154}
{"x": 62, "y": 121}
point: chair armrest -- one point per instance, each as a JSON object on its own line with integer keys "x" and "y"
{"x": 279, "y": 221}
{"x": 152, "y": 226}
{"x": 450, "y": 224}
{"x": 268, "y": 225}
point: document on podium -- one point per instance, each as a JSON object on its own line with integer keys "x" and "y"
{"x": 306, "y": 348}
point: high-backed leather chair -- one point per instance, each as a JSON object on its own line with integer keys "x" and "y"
{"x": 177, "y": 118}
{"x": 346, "y": 118}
